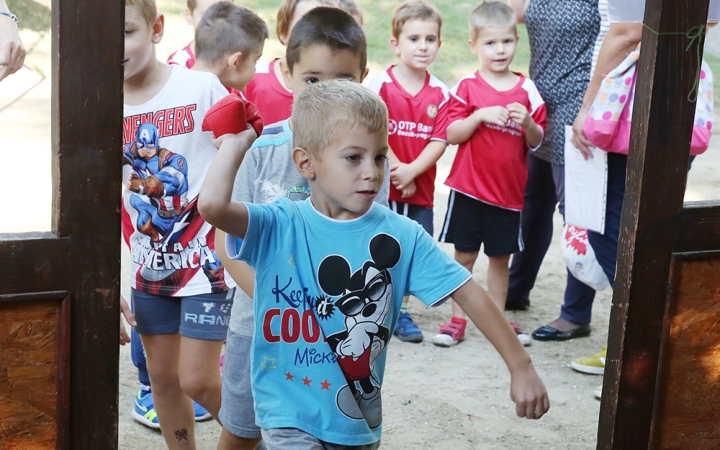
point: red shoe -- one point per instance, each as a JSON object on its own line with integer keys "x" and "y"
{"x": 450, "y": 333}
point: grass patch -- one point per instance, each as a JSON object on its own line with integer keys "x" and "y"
{"x": 453, "y": 61}
{"x": 32, "y": 15}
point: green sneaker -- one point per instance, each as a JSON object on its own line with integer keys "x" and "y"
{"x": 594, "y": 365}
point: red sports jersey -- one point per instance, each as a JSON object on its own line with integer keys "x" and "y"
{"x": 267, "y": 93}
{"x": 491, "y": 166}
{"x": 183, "y": 57}
{"x": 414, "y": 121}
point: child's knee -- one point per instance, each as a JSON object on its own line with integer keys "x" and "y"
{"x": 197, "y": 385}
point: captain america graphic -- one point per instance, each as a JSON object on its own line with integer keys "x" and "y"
{"x": 159, "y": 186}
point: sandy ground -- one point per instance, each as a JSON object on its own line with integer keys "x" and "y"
{"x": 436, "y": 398}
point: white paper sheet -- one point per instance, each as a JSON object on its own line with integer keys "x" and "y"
{"x": 585, "y": 186}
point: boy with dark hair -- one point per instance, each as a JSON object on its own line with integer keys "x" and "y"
{"x": 417, "y": 108}
{"x": 193, "y": 14}
{"x": 180, "y": 292}
{"x": 326, "y": 43}
{"x": 345, "y": 264}
{"x": 495, "y": 116}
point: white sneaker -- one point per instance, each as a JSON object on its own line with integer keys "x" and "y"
{"x": 598, "y": 392}
{"x": 522, "y": 337}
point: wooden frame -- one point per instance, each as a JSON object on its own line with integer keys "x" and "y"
{"x": 654, "y": 224}
{"x": 81, "y": 256}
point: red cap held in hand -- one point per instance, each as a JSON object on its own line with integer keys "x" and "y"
{"x": 231, "y": 115}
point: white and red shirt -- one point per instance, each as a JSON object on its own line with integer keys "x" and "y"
{"x": 172, "y": 247}
{"x": 267, "y": 93}
{"x": 491, "y": 166}
{"x": 414, "y": 121}
{"x": 183, "y": 57}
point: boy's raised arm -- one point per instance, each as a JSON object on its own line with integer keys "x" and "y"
{"x": 526, "y": 388}
{"x": 214, "y": 202}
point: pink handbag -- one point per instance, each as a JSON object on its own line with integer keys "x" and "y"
{"x": 607, "y": 124}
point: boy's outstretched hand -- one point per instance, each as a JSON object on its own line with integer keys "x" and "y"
{"x": 528, "y": 393}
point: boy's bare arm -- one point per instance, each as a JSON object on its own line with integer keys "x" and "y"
{"x": 240, "y": 271}
{"x": 404, "y": 174}
{"x": 526, "y": 388}
{"x": 214, "y": 203}
{"x": 462, "y": 130}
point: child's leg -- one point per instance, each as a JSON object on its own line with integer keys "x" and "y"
{"x": 203, "y": 328}
{"x": 198, "y": 372}
{"x": 497, "y": 279}
{"x": 174, "y": 407}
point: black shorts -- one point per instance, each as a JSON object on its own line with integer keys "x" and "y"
{"x": 470, "y": 223}
{"x": 420, "y": 214}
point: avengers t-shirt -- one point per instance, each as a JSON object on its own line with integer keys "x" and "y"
{"x": 165, "y": 158}
{"x": 327, "y": 298}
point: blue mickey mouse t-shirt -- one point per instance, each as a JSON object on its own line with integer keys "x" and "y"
{"x": 327, "y": 298}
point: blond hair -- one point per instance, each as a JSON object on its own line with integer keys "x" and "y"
{"x": 324, "y": 107}
{"x": 351, "y": 7}
{"x": 146, "y": 8}
{"x": 491, "y": 14}
{"x": 415, "y": 10}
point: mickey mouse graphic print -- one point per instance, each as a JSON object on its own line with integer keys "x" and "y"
{"x": 327, "y": 298}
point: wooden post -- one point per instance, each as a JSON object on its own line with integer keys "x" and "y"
{"x": 655, "y": 186}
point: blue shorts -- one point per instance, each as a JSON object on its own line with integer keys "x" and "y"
{"x": 420, "y": 214}
{"x": 204, "y": 316}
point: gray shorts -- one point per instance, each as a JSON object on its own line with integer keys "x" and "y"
{"x": 204, "y": 316}
{"x": 237, "y": 413}
{"x": 285, "y": 438}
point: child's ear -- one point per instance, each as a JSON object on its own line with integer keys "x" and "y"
{"x": 158, "y": 28}
{"x": 471, "y": 43}
{"x": 394, "y": 46}
{"x": 364, "y": 74}
{"x": 235, "y": 60}
{"x": 285, "y": 69}
{"x": 303, "y": 163}
{"x": 188, "y": 16}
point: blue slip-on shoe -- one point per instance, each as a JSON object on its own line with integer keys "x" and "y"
{"x": 406, "y": 330}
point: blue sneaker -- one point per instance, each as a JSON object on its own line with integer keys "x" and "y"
{"x": 406, "y": 330}
{"x": 201, "y": 413}
{"x": 144, "y": 410}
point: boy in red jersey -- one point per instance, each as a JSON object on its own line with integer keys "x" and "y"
{"x": 417, "y": 106}
{"x": 193, "y": 14}
{"x": 495, "y": 115}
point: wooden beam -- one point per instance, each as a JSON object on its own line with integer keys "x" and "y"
{"x": 656, "y": 175}
{"x": 698, "y": 227}
{"x": 87, "y": 113}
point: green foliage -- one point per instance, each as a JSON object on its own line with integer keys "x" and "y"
{"x": 453, "y": 61}
{"x": 32, "y": 15}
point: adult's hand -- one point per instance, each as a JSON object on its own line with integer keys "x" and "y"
{"x": 12, "y": 52}
{"x": 578, "y": 138}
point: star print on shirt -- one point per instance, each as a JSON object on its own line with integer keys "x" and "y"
{"x": 289, "y": 376}
{"x": 325, "y": 385}
{"x": 268, "y": 363}
{"x": 307, "y": 381}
